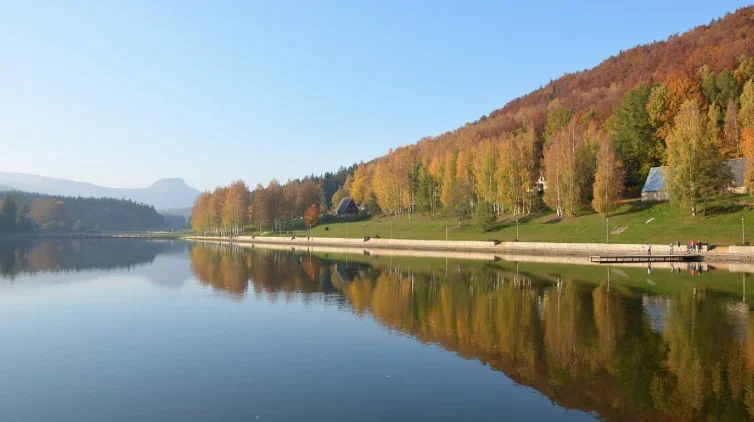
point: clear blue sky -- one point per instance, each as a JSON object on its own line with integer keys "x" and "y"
{"x": 124, "y": 93}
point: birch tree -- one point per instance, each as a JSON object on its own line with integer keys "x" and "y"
{"x": 608, "y": 182}
{"x": 694, "y": 163}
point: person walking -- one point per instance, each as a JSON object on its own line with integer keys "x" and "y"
{"x": 671, "y": 249}
{"x": 649, "y": 250}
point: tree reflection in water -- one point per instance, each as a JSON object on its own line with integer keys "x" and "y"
{"x": 586, "y": 345}
{"x": 31, "y": 256}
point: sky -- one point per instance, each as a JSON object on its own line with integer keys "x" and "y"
{"x": 125, "y": 93}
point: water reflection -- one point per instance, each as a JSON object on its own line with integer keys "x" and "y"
{"x": 674, "y": 344}
{"x": 680, "y": 348}
{"x": 31, "y": 256}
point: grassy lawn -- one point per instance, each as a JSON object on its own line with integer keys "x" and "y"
{"x": 658, "y": 223}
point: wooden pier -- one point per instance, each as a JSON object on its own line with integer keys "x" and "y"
{"x": 645, "y": 258}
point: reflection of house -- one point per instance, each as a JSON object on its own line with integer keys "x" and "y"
{"x": 346, "y": 273}
{"x": 654, "y": 186}
{"x": 347, "y": 207}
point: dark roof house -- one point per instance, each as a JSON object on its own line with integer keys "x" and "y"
{"x": 347, "y": 207}
{"x": 654, "y": 186}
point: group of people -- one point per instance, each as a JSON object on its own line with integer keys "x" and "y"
{"x": 693, "y": 246}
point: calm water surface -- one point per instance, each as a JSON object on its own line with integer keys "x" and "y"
{"x": 129, "y": 330}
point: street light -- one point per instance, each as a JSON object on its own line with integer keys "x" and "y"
{"x": 446, "y": 230}
{"x": 517, "y": 230}
{"x": 743, "y": 235}
{"x": 607, "y": 230}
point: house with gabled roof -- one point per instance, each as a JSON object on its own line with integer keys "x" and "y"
{"x": 654, "y": 187}
{"x": 347, "y": 207}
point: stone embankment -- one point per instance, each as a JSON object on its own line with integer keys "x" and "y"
{"x": 732, "y": 253}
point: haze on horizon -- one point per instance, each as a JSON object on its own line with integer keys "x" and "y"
{"x": 212, "y": 92}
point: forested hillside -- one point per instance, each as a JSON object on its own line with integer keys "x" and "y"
{"x": 592, "y": 136}
{"x": 23, "y": 212}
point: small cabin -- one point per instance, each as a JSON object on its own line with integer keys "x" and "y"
{"x": 347, "y": 207}
{"x": 654, "y": 186}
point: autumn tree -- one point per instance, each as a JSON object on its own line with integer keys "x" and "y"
{"x": 555, "y": 157}
{"x": 309, "y": 192}
{"x": 217, "y": 199}
{"x": 516, "y": 171}
{"x": 449, "y": 178}
{"x": 558, "y": 117}
{"x": 745, "y": 70}
{"x": 361, "y": 187}
{"x": 311, "y": 217}
{"x": 426, "y": 190}
{"x": 201, "y": 216}
{"x": 235, "y": 207}
{"x": 694, "y": 164}
{"x": 386, "y": 187}
{"x": 746, "y": 114}
{"x": 747, "y": 150}
{"x": 338, "y": 196}
{"x": 657, "y": 106}
{"x": 731, "y": 145}
{"x": 608, "y": 182}
{"x": 484, "y": 162}
{"x": 261, "y": 207}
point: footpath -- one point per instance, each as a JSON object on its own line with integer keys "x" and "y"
{"x": 712, "y": 254}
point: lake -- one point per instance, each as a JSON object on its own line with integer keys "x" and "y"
{"x": 135, "y": 330}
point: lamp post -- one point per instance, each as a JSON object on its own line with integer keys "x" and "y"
{"x": 517, "y": 230}
{"x": 391, "y": 229}
{"x": 446, "y": 230}
{"x": 607, "y": 230}
{"x": 743, "y": 235}
{"x": 346, "y": 229}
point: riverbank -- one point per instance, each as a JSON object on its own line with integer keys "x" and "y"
{"x": 726, "y": 254}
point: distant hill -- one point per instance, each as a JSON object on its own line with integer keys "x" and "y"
{"x": 162, "y": 194}
{"x": 184, "y": 212}
{"x": 39, "y": 212}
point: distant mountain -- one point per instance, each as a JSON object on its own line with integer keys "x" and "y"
{"x": 162, "y": 194}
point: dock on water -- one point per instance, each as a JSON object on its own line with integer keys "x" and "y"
{"x": 645, "y": 258}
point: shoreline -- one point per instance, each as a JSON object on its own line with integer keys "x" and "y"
{"x": 494, "y": 248}
{"x": 732, "y": 266}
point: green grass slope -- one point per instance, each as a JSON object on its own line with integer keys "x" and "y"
{"x": 658, "y": 223}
